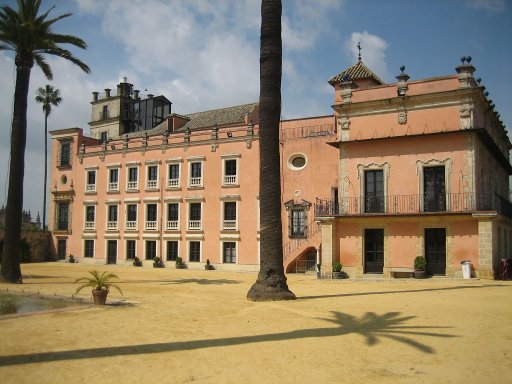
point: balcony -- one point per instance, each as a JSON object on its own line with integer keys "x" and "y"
{"x": 173, "y": 183}
{"x": 229, "y": 225}
{"x": 151, "y": 225}
{"x": 131, "y": 225}
{"x": 152, "y": 184}
{"x": 90, "y": 225}
{"x": 230, "y": 180}
{"x": 194, "y": 225}
{"x": 113, "y": 186}
{"x": 112, "y": 226}
{"x": 172, "y": 225}
{"x": 133, "y": 185}
{"x": 413, "y": 204}
{"x": 90, "y": 188}
{"x": 196, "y": 182}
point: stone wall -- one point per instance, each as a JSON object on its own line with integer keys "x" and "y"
{"x": 36, "y": 246}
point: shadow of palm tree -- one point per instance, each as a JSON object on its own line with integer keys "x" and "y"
{"x": 372, "y": 326}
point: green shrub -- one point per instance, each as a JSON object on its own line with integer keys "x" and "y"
{"x": 336, "y": 266}
{"x": 420, "y": 263}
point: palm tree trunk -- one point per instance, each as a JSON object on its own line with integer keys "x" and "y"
{"x": 11, "y": 258}
{"x": 271, "y": 283}
{"x": 45, "y": 168}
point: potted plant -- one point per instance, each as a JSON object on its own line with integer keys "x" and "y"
{"x": 336, "y": 270}
{"x": 157, "y": 262}
{"x": 208, "y": 266}
{"x": 420, "y": 267}
{"x": 137, "y": 262}
{"x": 179, "y": 263}
{"x": 100, "y": 285}
{"x": 71, "y": 259}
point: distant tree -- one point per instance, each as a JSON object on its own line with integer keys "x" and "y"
{"x": 271, "y": 283}
{"x": 47, "y": 96}
{"x": 29, "y": 35}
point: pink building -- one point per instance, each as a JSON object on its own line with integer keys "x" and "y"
{"x": 424, "y": 170}
{"x": 399, "y": 170}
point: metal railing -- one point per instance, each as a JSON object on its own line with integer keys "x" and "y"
{"x": 302, "y": 266}
{"x": 288, "y": 249}
{"x": 413, "y": 204}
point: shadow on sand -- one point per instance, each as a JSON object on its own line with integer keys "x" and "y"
{"x": 371, "y": 326}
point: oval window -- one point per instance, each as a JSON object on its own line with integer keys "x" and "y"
{"x": 64, "y": 179}
{"x": 297, "y": 161}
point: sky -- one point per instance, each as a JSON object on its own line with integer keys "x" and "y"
{"x": 204, "y": 54}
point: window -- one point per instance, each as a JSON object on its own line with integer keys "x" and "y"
{"x": 113, "y": 179}
{"x": 434, "y": 191}
{"x": 172, "y": 216}
{"x": 90, "y": 185}
{"x": 172, "y": 250}
{"x": 194, "y": 251}
{"x": 194, "y": 218}
{"x": 151, "y": 216}
{"x": 229, "y": 222}
{"x": 88, "y": 248}
{"x": 133, "y": 178}
{"x": 62, "y": 216}
{"x": 374, "y": 191}
{"x": 174, "y": 176}
{"x": 65, "y": 154}
{"x": 131, "y": 249}
{"x": 297, "y": 218}
{"x": 230, "y": 172}
{"x": 152, "y": 177}
{"x": 297, "y": 161}
{"x": 104, "y": 116}
{"x": 131, "y": 216}
{"x": 229, "y": 252}
{"x": 90, "y": 211}
{"x": 150, "y": 249}
{"x": 104, "y": 137}
{"x": 196, "y": 174}
{"x": 112, "y": 217}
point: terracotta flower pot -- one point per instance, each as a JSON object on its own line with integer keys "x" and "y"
{"x": 99, "y": 296}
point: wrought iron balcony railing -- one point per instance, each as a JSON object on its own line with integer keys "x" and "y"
{"x": 413, "y": 204}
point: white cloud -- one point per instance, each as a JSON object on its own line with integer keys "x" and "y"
{"x": 373, "y": 52}
{"x": 488, "y": 5}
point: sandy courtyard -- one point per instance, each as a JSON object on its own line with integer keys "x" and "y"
{"x": 181, "y": 326}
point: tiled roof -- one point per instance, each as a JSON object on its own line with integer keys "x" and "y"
{"x": 357, "y": 71}
{"x": 223, "y": 116}
{"x": 198, "y": 120}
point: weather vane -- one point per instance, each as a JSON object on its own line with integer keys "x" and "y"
{"x": 359, "y": 48}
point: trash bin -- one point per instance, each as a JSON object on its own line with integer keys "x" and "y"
{"x": 466, "y": 269}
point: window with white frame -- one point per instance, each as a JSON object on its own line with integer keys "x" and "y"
{"x": 150, "y": 249}
{"x": 194, "y": 251}
{"x": 194, "y": 216}
{"x": 152, "y": 177}
{"x": 113, "y": 179}
{"x": 173, "y": 213}
{"x": 196, "y": 174}
{"x": 173, "y": 175}
{"x": 131, "y": 217}
{"x": 131, "y": 247}
{"x": 151, "y": 217}
{"x": 229, "y": 252}
{"x": 90, "y": 181}
{"x": 88, "y": 248}
{"x": 230, "y": 172}
{"x": 172, "y": 250}
{"x": 132, "y": 178}
{"x": 90, "y": 216}
{"x": 112, "y": 215}
{"x": 229, "y": 219}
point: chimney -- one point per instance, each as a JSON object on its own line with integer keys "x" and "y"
{"x": 136, "y": 94}
{"x": 95, "y": 96}
{"x": 107, "y": 92}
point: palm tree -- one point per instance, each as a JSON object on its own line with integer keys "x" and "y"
{"x": 29, "y": 34}
{"x": 271, "y": 282}
{"x": 47, "y": 96}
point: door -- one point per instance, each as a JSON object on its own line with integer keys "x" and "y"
{"x": 374, "y": 191}
{"x": 229, "y": 252}
{"x": 111, "y": 251}
{"x": 435, "y": 250}
{"x": 434, "y": 192}
{"x": 373, "y": 250}
{"x": 61, "y": 249}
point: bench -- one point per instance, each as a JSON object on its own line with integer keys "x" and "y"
{"x": 397, "y": 270}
